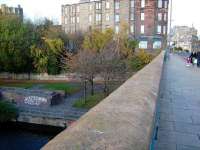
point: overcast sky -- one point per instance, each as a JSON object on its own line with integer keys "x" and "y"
{"x": 185, "y": 12}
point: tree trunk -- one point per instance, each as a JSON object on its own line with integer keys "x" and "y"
{"x": 92, "y": 86}
{"x": 85, "y": 90}
{"x": 106, "y": 88}
{"x": 29, "y": 76}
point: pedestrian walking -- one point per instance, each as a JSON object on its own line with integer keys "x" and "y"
{"x": 198, "y": 59}
{"x": 191, "y": 58}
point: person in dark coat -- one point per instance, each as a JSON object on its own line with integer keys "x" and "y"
{"x": 191, "y": 57}
{"x": 198, "y": 59}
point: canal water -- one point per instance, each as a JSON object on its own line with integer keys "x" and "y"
{"x": 17, "y": 136}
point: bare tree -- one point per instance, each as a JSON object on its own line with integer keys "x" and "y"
{"x": 111, "y": 66}
{"x": 85, "y": 63}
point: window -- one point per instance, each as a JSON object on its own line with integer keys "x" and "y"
{"x": 90, "y": 18}
{"x": 77, "y": 9}
{"x": 143, "y": 44}
{"x": 77, "y": 20}
{"x": 66, "y": 10}
{"x": 73, "y": 9}
{"x": 157, "y": 44}
{"x": 159, "y": 29}
{"x": 165, "y": 17}
{"x": 164, "y": 29}
{"x": 72, "y": 19}
{"x": 142, "y": 16}
{"x": 159, "y": 3}
{"x": 159, "y": 16}
{"x": 166, "y": 4}
{"x": 117, "y": 5}
{"x": 132, "y": 3}
{"x": 65, "y": 20}
{"x": 132, "y": 28}
{"x": 107, "y": 17}
{"x": 142, "y": 29}
{"x": 90, "y": 7}
{"x": 98, "y": 17}
{"x": 142, "y": 3}
{"x": 117, "y": 18}
{"x": 116, "y": 29}
{"x": 132, "y": 16}
{"x": 98, "y": 5}
{"x": 107, "y": 5}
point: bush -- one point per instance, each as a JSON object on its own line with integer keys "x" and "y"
{"x": 7, "y": 111}
{"x": 140, "y": 59}
{"x": 178, "y": 49}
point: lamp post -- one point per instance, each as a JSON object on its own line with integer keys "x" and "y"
{"x": 170, "y": 23}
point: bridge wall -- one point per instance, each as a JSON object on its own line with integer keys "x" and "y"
{"x": 123, "y": 121}
{"x": 43, "y": 120}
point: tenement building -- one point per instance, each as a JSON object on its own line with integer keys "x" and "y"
{"x": 147, "y": 19}
{"x": 5, "y": 10}
{"x": 184, "y": 37}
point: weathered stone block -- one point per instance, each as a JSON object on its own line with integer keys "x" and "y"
{"x": 40, "y": 97}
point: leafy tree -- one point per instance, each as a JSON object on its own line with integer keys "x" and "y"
{"x": 99, "y": 56}
{"x": 125, "y": 45}
{"x": 87, "y": 60}
{"x": 46, "y": 56}
{"x": 96, "y": 40}
{"x": 15, "y": 40}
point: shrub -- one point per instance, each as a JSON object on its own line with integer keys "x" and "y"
{"x": 140, "y": 59}
{"x": 7, "y": 111}
{"x": 178, "y": 48}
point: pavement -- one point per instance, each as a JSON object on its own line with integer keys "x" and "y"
{"x": 178, "y": 107}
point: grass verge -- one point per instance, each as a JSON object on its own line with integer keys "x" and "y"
{"x": 68, "y": 88}
{"x": 90, "y": 101}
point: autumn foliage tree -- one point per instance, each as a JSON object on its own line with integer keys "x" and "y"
{"x": 99, "y": 56}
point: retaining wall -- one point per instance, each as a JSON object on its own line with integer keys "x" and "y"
{"x": 60, "y": 77}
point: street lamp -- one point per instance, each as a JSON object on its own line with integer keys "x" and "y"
{"x": 170, "y": 23}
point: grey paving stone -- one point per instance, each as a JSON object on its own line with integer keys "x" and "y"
{"x": 166, "y": 117}
{"x": 168, "y": 146}
{"x": 183, "y": 147}
{"x": 184, "y": 116}
{"x": 187, "y": 128}
{"x": 165, "y": 137}
{"x": 187, "y": 139}
{"x": 166, "y": 125}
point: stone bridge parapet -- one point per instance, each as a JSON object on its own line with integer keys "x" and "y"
{"x": 122, "y": 121}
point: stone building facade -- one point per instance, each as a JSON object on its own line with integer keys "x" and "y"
{"x": 184, "y": 37}
{"x": 147, "y": 19}
{"x": 5, "y": 10}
